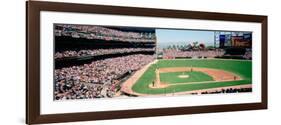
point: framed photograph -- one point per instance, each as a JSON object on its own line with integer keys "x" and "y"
{"x": 93, "y": 62}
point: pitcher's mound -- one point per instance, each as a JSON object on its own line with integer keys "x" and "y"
{"x": 183, "y": 76}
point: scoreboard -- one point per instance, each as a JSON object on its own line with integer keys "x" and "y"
{"x": 243, "y": 40}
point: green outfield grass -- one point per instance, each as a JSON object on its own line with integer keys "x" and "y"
{"x": 240, "y": 67}
{"x": 173, "y": 77}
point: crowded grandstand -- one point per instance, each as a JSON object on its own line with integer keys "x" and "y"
{"x": 196, "y": 50}
{"x": 93, "y": 61}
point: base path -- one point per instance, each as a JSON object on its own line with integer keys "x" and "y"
{"x": 126, "y": 87}
{"x": 216, "y": 74}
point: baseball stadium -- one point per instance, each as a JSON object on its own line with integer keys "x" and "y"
{"x": 109, "y": 62}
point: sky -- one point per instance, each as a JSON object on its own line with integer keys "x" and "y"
{"x": 166, "y": 37}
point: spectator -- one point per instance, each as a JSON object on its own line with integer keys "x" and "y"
{"x": 97, "y": 79}
{"x": 97, "y": 52}
{"x": 103, "y": 33}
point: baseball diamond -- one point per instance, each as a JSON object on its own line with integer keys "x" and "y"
{"x": 202, "y": 74}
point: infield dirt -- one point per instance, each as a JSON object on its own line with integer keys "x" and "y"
{"x": 217, "y": 75}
